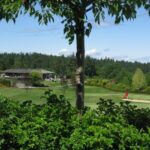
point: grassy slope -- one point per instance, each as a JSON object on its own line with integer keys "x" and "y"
{"x": 92, "y": 95}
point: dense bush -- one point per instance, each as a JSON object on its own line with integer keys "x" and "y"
{"x": 109, "y": 84}
{"x": 36, "y": 78}
{"x": 56, "y": 125}
{"x": 139, "y": 117}
{"x": 97, "y": 82}
{"x": 5, "y": 82}
{"x": 112, "y": 85}
{"x": 121, "y": 87}
{"x": 147, "y": 90}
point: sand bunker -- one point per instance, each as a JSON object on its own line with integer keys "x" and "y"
{"x": 136, "y": 100}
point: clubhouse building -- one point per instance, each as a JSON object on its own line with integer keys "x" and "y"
{"x": 21, "y": 77}
{"x": 25, "y": 73}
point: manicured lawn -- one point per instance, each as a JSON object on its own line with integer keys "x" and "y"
{"x": 92, "y": 95}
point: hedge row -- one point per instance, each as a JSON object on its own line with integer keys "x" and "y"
{"x": 112, "y": 85}
{"x": 56, "y": 125}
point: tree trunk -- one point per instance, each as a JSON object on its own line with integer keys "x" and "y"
{"x": 80, "y": 55}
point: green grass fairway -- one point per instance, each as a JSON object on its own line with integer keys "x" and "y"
{"x": 92, "y": 95}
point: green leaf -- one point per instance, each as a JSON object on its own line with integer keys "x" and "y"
{"x": 117, "y": 20}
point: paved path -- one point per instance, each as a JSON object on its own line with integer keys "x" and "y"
{"x": 136, "y": 100}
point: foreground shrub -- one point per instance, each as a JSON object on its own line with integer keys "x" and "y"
{"x": 139, "y": 117}
{"x": 106, "y": 132}
{"x": 56, "y": 125}
{"x": 30, "y": 126}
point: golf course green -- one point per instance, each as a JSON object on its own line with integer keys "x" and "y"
{"x": 92, "y": 95}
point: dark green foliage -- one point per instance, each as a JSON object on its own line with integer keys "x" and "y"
{"x": 90, "y": 67}
{"x": 115, "y": 75}
{"x": 139, "y": 117}
{"x": 5, "y": 82}
{"x": 148, "y": 78}
{"x": 56, "y": 125}
{"x": 106, "y": 132}
{"x": 121, "y": 71}
{"x": 60, "y": 65}
{"x": 30, "y": 126}
{"x": 147, "y": 90}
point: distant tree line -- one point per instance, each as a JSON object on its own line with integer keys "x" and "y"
{"x": 106, "y": 69}
{"x": 59, "y": 64}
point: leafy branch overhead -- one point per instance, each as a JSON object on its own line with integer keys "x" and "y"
{"x": 72, "y": 11}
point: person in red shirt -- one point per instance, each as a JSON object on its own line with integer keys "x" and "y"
{"x": 126, "y": 95}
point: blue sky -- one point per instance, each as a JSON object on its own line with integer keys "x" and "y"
{"x": 127, "y": 41}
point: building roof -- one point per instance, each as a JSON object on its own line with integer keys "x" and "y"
{"x": 27, "y": 71}
{"x": 44, "y": 71}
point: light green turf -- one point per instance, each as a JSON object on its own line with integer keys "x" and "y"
{"x": 92, "y": 95}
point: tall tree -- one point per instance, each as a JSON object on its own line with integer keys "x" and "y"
{"x": 75, "y": 19}
{"x": 138, "y": 80}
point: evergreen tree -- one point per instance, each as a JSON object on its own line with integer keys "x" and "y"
{"x": 138, "y": 80}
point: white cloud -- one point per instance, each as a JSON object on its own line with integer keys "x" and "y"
{"x": 93, "y": 53}
{"x": 65, "y": 52}
{"x": 104, "y": 54}
{"x": 130, "y": 59}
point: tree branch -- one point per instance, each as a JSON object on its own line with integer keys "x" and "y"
{"x": 66, "y": 2}
{"x": 88, "y": 2}
{"x": 88, "y": 9}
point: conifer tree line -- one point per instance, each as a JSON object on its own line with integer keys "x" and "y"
{"x": 120, "y": 71}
